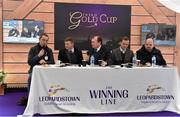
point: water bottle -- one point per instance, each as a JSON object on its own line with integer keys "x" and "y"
{"x": 92, "y": 60}
{"x": 134, "y": 60}
{"x": 153, "y": 60}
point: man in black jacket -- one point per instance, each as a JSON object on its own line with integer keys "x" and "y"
{"x": 147, "y": 51}
{"x": 99, "y": 51}
{"x": 40, "y": 54}
{"x": 70, "y": 54}
{"x": 14, "y": 32}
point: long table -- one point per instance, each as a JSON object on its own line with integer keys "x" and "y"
{"x": 60, "y": 90}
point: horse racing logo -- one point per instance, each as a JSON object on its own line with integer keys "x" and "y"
{"x": 89, "y": 20}
{"x": 55, "y": 88}
{"x": 152, "y": 88}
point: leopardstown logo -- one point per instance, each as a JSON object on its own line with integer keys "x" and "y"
{"x": 54, "y": 89}
{"x": 156, "y": 94}
{"x": 152, "y": 88}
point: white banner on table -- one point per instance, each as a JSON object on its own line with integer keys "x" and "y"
{"x": 56, "y": 90}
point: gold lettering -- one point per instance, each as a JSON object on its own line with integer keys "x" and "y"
{"x": 103, "y": 16}
{"x": 105, "y": 19}
{"x": 75, "y": 19}
{"x": 92, "y": 19}
{"x": 114, "y": 19}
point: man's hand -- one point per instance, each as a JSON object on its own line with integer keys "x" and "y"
{"x": 42, "y": 62}
{"x": 148, "y": 64}
{"x": 103, "y": 63}
{"x": 41, "y": 53}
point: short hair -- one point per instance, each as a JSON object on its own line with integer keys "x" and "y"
{"x": 124, "y": 38}
{"x": 69, "y": 39}
{"x": 150, "y": 35}
{"x": 43, "y": 34}
{"x": 99, "y": 38}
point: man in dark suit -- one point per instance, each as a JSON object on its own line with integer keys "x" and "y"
{"x": 13, "y": 32}
{"x": 37, "y": 31}
{"x": 147, "y": 51}
{"x": 70, "y": 54}
{"x": 99, "y": 51}
{"x": 121, "y": 54}
{"x": 25, "y": 32}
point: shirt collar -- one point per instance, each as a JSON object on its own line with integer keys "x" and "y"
{"x": 98, "y": 48}
{"x": 72, "y": 50}
{"x": 122, "y": 50}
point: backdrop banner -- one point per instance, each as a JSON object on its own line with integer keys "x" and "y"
{"x": 82, "y": 21}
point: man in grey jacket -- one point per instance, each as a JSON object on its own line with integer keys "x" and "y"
{"x": 122, "y": 54}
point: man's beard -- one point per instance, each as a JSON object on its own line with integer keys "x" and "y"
{"x": 149, "y": 49}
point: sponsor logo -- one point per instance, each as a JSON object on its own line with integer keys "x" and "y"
{"x": 108, "y": 96}
{"x": 155, "y": 94}
{"x": 59, "y": 95}
{"x": 54, "y": 89}
{"x": 89, "y": 20}
{"x": 152, "y": 88}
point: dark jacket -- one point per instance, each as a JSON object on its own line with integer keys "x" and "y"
{"x": 63, "y": 56}
{"x": 116, "y": 57}
{"x": 26, "y": 34}
{"x": 145, "y": 56}
{"x": 13, "y": 32}
{"x": 36, "y": 34}
{"x": 102, "y": 54}
{"x": 33, "y": 58}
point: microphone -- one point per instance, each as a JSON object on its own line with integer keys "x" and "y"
{"x": 127, "y": 65}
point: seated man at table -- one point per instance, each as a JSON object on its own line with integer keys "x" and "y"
{"x": 99, "y": 51}
{"x": 70, "y": 54}
{"x": 121, "y": 54}
{"x": 147, "y": 51}
{"x": 40, "y": 54}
